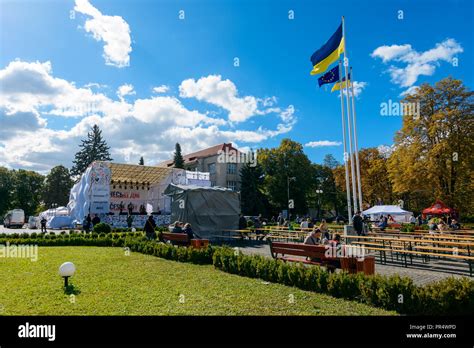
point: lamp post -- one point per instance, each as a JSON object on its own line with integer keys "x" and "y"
{"x": 54, "y": 206}
{"x": 288, "y": 186}
{"x": 66, "y": 270}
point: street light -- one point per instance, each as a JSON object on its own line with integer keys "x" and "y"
{"x": 67, "y": 270}
{"x": 54, "y": 206}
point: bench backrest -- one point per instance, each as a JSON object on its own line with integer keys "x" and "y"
{"x": 176, "y": 237}
{"x": 313, "y": 251}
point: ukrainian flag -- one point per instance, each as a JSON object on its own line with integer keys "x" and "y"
{"x": 328, "y": 53}
{"x": 337, "y": 86}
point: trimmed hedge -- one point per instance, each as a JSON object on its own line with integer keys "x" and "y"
{"x": 448, "y": 296}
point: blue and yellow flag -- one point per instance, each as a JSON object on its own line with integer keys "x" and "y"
{"x": 338, "y": 85}
{"x": 328, "y": 53}
{"x": 330, "y": 77}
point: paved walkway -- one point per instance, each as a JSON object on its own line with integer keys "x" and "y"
{"x": 421, "y": 273}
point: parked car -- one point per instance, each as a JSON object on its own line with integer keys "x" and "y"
{"x": 14, "y": 218}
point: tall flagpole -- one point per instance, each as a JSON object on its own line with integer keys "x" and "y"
{"x": 348, "y": 190}
{"x": 359, "y": 185}
{"x": 346, "y": 87}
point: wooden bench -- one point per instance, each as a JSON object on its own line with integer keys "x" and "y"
{"x": 313, "y": 254}
{"x": 183, "y": 239}
{"x": 176, "y": 238}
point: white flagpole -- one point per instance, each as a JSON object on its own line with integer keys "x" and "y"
{"x": 359, "y": 184}
{"x": 346, "y": 87}
{"x": 348, "y": 190}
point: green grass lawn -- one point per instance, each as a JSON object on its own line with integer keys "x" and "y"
{"x": 108, "y": 282}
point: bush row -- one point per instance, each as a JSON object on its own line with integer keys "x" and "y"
{"x": 449, "y": 296}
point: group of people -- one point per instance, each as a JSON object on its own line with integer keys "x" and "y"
{"x": 181, "y": 227}
{"x": 320, "y": 236}
{"x": 443, "y": 224}
{"x": 88, "y": 223}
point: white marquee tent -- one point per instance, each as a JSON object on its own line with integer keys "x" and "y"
{"x": 398, "y": 214}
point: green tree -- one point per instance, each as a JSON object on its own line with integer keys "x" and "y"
{"x": 178, "y": 160}
{"x": 28, "y": 187}
{"x": 434, "y": 151}
{"x": 281, "y": 164}
{"x": 142, "y": 161}
{"x": 6, "y": 189}
{"x": 57, "y": 185}
{"x": 252, "y": 197}
{"x": 330, "y": 162}
{"x": 94, "y": 148}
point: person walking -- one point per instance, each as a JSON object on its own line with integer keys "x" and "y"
{"x": 150, "y": 228}
{"x": 358, "y": 223}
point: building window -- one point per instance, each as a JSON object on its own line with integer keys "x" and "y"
{"x": 211, "y": 168}
{"x": 232, "y": 185}
{"x": 231, "y": 168}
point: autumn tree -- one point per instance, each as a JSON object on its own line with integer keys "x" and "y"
{"x": 434, "y": 151}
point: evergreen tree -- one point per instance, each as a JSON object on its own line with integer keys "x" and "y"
{"x": 142, "y": 161}
{"x": 252, "y": 199}
{"x": 94, "y": 148}
{"x": 178, "y": 157}
{"x": 57, "y": 185}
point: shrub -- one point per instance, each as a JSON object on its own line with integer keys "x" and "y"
{"x": 102, "y": 227}
{"x": 450, "y": 296}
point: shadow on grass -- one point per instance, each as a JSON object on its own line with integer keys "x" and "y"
{"x": 71, "y": 290}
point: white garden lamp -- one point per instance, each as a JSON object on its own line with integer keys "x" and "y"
{"x": 67, "y": 270}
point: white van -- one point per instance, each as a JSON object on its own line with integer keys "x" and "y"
{"x": 33, "y": 222}
{"x": 14, "y": 218}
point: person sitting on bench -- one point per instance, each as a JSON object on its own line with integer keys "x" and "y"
{"x": 325, "y": 238}
{"x": 313, "y": 237}
{"x": 177, "y": 227}
{"x": 188, "y": 230}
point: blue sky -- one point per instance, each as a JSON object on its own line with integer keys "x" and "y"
{"x": 227, "y": 102}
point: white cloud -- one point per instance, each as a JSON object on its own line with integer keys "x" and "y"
{"x": 161, "y": 89}
{"x": 124, "y": 90}
{"x": 359, "y": 86}
{"x": 416, "y": 64}
{"x": 410, "y": 90}
{"x": 147, "y": 126}
{"x": 222, "y": 93}
{"x": 322, "y": 143}
{"x": 385, "y": 150}
{"x": 114, "y": 31}
{"x": 27, "y": 86}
